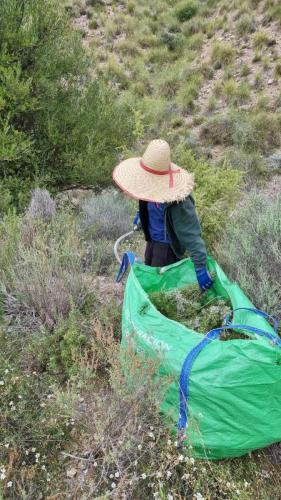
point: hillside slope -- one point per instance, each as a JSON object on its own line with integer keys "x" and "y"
{"x": 204, "y": 72}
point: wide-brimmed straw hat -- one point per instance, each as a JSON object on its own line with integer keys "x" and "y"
{"x": 154, "y": 177}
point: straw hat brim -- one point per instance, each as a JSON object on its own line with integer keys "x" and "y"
{"x": 146, "y": 186}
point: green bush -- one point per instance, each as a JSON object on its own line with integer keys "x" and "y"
{"x": 57, "y": 125}
{"x": 246, "y": 24}
{"x": 250, "y": 251}
{"x": 251, "y": 163}
{"x": 257, "y": 131}
{"x": 217, "y": 190}
{"x": 222, "y": 54}
{"x": 186, "y": 10}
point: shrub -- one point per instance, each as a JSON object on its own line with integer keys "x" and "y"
{"x": 100, "y": 256}
{"x": 277, "y": 70}
{"x": 188, "y": 92}
{"x": 260, "y": 39}
{"x": 250, "y": 131}
{"x": 245, "y": 70}
{"x": 42, "y": 205}
{"x": 35, "y": 427}
{"x": 41, "y": 269}
{"x": 222, "y": 54}
{"x": 173, "y": 41}
{"x": 186, "y": 10}
{"x": 120, "y": 452}
{"x": 217, "y": 191}
{"x": 56, "y": 122}
{"x": 273, "y": 13}
{"x": 258, "y": 132}
{"x": 218, "y": 129}
{"x": 106, "y": 215}
{"x": 250, "y": 251}
{"x": 253, "y": 163}
{"x": 246, "y": 24}
{"x": 194, "y": 25}
{"x": 5, "y": 199}
{"x": 195, "y": 41}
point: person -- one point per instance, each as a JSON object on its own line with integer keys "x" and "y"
{"x": 167, "y": 212}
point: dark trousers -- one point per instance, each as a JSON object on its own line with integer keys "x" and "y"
{"x": 159, "y": 254}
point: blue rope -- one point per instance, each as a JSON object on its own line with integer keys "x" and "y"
{"x": 271, "y": 319}
{"x": 192, "y": 355}
{"x": 127, "y": 260}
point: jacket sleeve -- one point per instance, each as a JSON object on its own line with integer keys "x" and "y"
{"x": 188, "y": 231}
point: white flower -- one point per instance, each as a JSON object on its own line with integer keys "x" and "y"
{"x": 198, "y": 496}
{"x": 192, "y": 461}
{"x": 2, "y": 382}
{"x": 33, "y": 450}
{"x": 150, "y": 434}
{"x": 181, "y": 458}
{"x": 6, "y": 371}
{"x": 37, "y": 455}
{"x": 13, "y": 408}
{"x": 11, "y": 403}
{"x": 169, "y": 474}
{"x": 111, "y": 476}
{"x": 113, "y": 485}
{"x": 42, "y": 405}
{"x": 95, "y": 464}
{"x": 43, "y": 467}
{"x": 9, "y": 484}
{"x": 143, "y": 476}
{"x": 7, "y": 445}
{"x": 139, "y": 447}
{"x": 19, "y": 396}
{"x": 158, "y": 474}
{"x": 117, "y": 474}
{"x": 2, "y": 475}
{"x": 151, "y": 428}
{"x": 176, "y": 444}
{"x": 169, "y": 442}
{"x": 170, "y": 496}
{"x": 238, "y": 492}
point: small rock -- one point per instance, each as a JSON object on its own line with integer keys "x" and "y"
{"x": 71, "y": 473}
{"x": 271, "y": 42}
{"x": 270, "y": 82}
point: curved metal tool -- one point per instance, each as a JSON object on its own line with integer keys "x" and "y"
{"x": 117, "y": 243}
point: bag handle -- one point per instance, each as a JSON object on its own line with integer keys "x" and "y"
{"x": 191, "y": 357}
{"x": 270, "y": 318}
{"x": 127, "y": 260}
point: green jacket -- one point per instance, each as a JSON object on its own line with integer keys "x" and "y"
{"x": 183, "y": 228}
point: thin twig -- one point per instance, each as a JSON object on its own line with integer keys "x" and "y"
{"x": 69, "y": 455}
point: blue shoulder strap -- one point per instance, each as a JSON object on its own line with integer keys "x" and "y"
{"x": 191, "y": 357}
{"x": 128, "y": 259}
{"x": 271, "y": 319}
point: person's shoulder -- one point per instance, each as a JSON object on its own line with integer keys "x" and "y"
{"x": 186, "y": 203}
